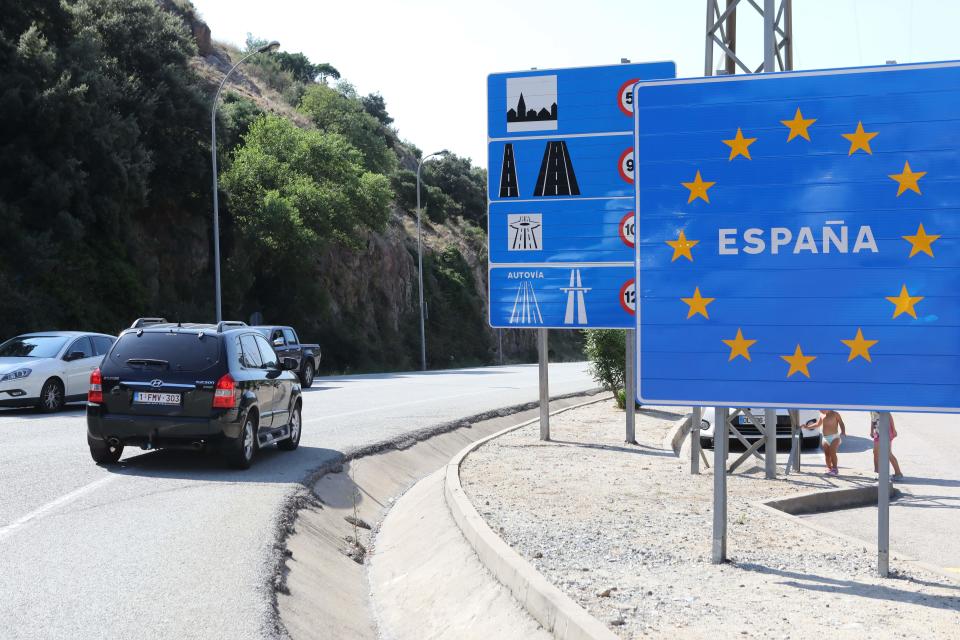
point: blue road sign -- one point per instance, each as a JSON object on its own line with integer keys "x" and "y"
{"x": 798, "y": 239}
{"x": 561, "y": 196}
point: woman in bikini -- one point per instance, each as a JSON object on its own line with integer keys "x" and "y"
{"x": 831, "y": 426}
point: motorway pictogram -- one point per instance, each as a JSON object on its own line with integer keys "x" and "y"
{"x": 556, "y": 176}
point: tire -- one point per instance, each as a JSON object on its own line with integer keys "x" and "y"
{"x": 296, "y": 427}
{"x": 104, "y": 453}
{"x": 240, "y": 451}
{"x": 812, "y": 442}
{"x": 706, "y": 443}
{"x": 306, "y": 375}
{"x": 51, "y": 396}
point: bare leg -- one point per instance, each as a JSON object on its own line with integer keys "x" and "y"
{"x": 834, "y": 448}
{"x": 876, "y": 457}
{"x": 826, "y": 454}
{"x": 896, "y": 464}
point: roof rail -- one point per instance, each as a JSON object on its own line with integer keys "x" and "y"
{"x": 222, "y": 326}
{"x": 143, "y": 322}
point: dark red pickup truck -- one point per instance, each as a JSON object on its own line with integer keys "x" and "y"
{"x": 287, "y": 345}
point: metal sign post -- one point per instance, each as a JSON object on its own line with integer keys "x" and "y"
{"x": 770, "y": 444}
{"x": 695, "y": 419}
{"x": 883, "y": 496}
{"x": 720, "y": 444}
{"x": 630, "y": 390}
{"x": 544, "y": 358}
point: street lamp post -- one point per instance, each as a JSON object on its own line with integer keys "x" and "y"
{"x": 273, "y": 46}
{"x": 423, "y": 335}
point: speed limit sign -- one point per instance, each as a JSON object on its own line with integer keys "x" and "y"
{"x": 628, "y": 296}
{"x": 628, "y": 230}
{"x": 625, "y": 165}
{"x": 625, "y": 97}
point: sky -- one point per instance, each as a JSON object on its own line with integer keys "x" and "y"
{"x": 430, "y": 58}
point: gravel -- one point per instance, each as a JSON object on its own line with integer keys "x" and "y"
{"x": 625, "y": 531}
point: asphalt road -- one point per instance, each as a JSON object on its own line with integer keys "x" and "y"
{"x": 924, "y": 523}
{"x": 171, "y": 544}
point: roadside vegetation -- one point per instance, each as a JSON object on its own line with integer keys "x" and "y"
{"x": 105, "y": 203}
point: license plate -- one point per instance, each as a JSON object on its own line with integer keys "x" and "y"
{"x": 746, "y": 420}
{"x": 151, "y": 397}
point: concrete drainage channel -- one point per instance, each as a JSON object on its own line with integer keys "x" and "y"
{"x": 320, "y": 584}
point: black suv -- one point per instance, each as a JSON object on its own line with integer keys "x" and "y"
{"x": 165, "y": 385}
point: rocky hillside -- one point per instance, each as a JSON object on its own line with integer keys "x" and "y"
{"x": 108, "y": 206}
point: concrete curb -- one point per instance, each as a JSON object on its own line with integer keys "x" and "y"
{"x": 546, "y": 603}
{"x": 829, "y": 500}
{"x": 894, "y": 555}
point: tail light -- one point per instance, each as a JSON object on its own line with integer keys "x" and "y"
{"x": 95, "y": 393}
{"x": 226, "y": 394}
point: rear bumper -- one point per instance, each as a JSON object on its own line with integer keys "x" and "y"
{"x": 161, "y": 431}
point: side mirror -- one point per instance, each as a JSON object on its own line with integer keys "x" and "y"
{"x": 289, "y": 364}
{"x": 75, "y": 355}
{"x": 278, "y": 342}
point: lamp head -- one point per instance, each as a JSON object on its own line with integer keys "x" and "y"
{"x": 271, "y": 46}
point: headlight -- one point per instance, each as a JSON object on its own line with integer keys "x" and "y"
{"x": 704, "y": 425}
{"x": 16, "y": 375}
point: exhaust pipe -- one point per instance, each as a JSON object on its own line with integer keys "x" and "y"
{"x": 113, "y": 441}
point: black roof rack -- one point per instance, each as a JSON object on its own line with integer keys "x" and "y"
{"x": 143, "y": 322}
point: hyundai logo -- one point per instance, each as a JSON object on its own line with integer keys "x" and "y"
{"x": 156, "y": 383}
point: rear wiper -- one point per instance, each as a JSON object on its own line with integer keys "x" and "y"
{"x": 148, "y": 362}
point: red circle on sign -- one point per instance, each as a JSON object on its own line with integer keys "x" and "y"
{"x": 623, "y": 158}
{"x": 623, "y": 293}
{"x": 625, "y": 88}
{"x": 623, "y": 236}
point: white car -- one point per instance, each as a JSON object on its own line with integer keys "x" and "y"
{"x": 50, "y": 368}
{"x": 810, "y": 437}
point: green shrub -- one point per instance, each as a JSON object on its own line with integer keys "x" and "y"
{"x": 606, "y": 349}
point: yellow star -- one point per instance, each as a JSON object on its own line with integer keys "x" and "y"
{"x": 798, "y": 126}
{"x": 681, "y": 247}
{"x": 859, "y": 139}
{"x": 739, "y": 145}
{"x": 908, "y": 179}
{"x": 698, "y": 304}
{"x": 859, "y": 346}
{"x": 920, "y": 242}
{"x": 904, "y": 302}
{"x": 799, "y": 362}
{"x": 698, "y": 189}
{"x": 739, "y": 346}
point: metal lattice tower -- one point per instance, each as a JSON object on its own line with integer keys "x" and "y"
{"x": 777, "y": 35}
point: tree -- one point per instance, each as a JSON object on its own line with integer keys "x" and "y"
{"x": 290, "y": 188}
{"x": 605, "y": 349}
{"x": 462, "y": 182}
{"x": 334, "y": 110}
{"x": 298, "y": 65}
{"x": 326, "y": 70}
{"x": 101, "y": 119}
{"x": 375, "y": 105}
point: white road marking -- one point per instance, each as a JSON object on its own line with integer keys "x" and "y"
{"x": 50, "y": 506}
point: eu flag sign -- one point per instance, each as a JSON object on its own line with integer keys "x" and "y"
{"x": 798, "y": 239}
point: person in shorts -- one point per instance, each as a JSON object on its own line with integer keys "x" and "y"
{"x": 875, "y": 434}
{"x": 831, "y": 426}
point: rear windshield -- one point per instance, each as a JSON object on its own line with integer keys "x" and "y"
{"x": 166, "y": 351}
{"x": 32, "y": 347}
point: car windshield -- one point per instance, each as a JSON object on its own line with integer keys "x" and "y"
{"x": 32, "y": 347}
{"x": 176, "y": 351}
